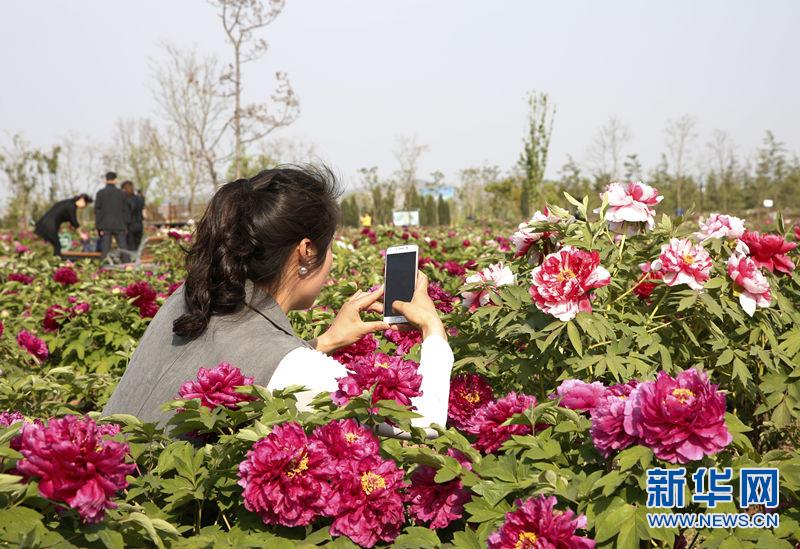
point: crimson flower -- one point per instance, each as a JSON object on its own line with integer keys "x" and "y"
{"x": 435, "y": 503}
{"x": 20, "y": 277}
{"x": 53, "y": 318}
{"x": 283, "y": 479}
{"x": 681, "y": 419}
{"x": 488, "y": 422}
{"x": 468, "y": 393}
{"x": 769, "y": 251}
{"x": 343, "y": 441}
{"x": 65, "y": 276}
{"x": 454, "y": 268}
{"x": 364, "y": 346}
{"x": 536, "y": 524}
{"x": 35, "y": 346}
{"x": 144, "y": 297}
{"x": 217, "y": 387}
{"x": 608, "y": 432}
{"x": 644, "y": 287}
{"x": 393, "y": 377}
{"x": 370, "y": 503}
{"x": 404, "y": 340}
{"x": 75, "y": 464}
{"x": 562, "y": 284}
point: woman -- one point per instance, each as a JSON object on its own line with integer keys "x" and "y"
{"x": 262, "y": 249}
{"x": 61, "y": 212}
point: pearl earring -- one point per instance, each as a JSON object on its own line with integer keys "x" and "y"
{"x": 303, "y": 271}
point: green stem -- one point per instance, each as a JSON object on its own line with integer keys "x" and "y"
{"x": 655, "y": 309}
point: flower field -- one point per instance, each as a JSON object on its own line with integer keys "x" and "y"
{"x": 590, "y": 346}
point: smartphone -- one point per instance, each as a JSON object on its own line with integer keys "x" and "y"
{"x": 400, "y": 279}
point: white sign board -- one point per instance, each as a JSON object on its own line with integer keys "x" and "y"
{"x": 405, "y": 218}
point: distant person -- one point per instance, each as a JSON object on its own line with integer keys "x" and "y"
{"x": 136, "y": 225}
{"x": 112, "y": 215}
{"x": 366, "y": 220}
{"x": 65, "y": 210}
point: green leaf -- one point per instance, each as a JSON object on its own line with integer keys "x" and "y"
{"x": 735, "y": 425}
{"x": 111, "y": 538}
{"x": 609, "y": 523}
{"x": 449, "y": 470}
{"x": 574, "y": 337}
{"x": 416, "y": 537}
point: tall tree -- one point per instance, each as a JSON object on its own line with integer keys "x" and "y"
{"x": 242, "y": 20}
{"x": 31, "y": 174}
{"x": 605, "y": 152}
{"x": 680, "y": 135}
{"x": 722, "y": 165}
{"x": 536, "y": 146}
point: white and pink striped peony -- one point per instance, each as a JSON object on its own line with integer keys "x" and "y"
{"x": 720, "y": 226}
{"x": 751, "y": 283}
{"x": 630, "y": 206}
{"x": 491, "y": 277}
{"x": 682, "y": 262}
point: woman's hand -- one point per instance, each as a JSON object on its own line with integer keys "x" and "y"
{"x": 420, "y": 311}
{"x": 348, "y": 327}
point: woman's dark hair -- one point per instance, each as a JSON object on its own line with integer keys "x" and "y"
{"x": 86, "y": 198}
{"x": 248, "y": 231}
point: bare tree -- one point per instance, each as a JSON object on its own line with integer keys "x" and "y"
{"x": 680, "y": 135}
{"x": 241, "y": 20}
{"x": 31, "y": 175}
{"x": 605, "y": 152}
{"x": 407, "y": 152}
{"x": 472, "y": 195}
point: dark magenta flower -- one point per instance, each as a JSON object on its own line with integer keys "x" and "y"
{"x": 488, "y": 423}
{"x": 53, "y": 318}
{"x": 75, "y": 464}
{"x": 536, "y": 524}
{"x": 65, "y": 276}
{"x": 441, "y": 299}
{"x": 404, "y": 340}
{"x": 217, "y": 387}
{"x": 283, "y": 479}
{"x": 35, "y": 346}
{"x": 438, "y": 504}
{"x": 20, "y": 277}
{"x": 681, "y": 419}
{"x": 393, "y": 377}
{"x": 343, "y": 441}
{"x": 363, "y": 347}
{"x": 468, "y": 393}
{"x": 8, "y": 418}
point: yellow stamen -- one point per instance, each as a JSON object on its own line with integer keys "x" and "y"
{"x": 351, "y": 437}
{"x": 472, "y": 398}
{"x": 682, "y": 395}
{"x": 525, "y": 540}
{"x": 566, "y": 274}
{"x": 382, "y": 364}
{"x": 302, "y": 466}
{"x": 688, "y": 259}
{"x": 371, "y": 482}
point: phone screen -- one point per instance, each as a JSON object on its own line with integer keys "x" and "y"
{"x": 400, "y": 279}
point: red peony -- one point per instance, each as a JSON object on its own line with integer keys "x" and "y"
{"x": 144, "y": 297}
{"x": 20, "y": 277}
{"x": 468, "y": 393}
{"x": 35, "y": 346}
{"x": 562, "y": 284}
{"x": 769, "y": 251}
{"x": 644, "y": 287}
{"x": 454, "y": 268}
{"x": 65, "y": 276}
{"x": 608, "y": 432}
{"x": 393, "y": 377}
{"x": 536, "y": 524}
{"x": 283, "y": 479}
{"x": 579, "y": 395}
{"x": 404, "y": 340}
{"x": 364, "y": 346}
{"x": 53, "y": 318}
{"x": 343, "y": 441}
{"x": 434, "y": 503}
{"x": 217, "y": 387}
{"x": 488, "y": 422}
{"x": 370, "y": 505}
{"x": 681, "y": 419}
{"x": 74, "y": 464}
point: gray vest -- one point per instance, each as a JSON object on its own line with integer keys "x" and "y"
{"x": 254, "y": 340}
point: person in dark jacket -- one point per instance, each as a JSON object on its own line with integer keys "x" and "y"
{"x": 61, "y": 212}
{"x": 136, "y": 225}
{"x": 112, "y": 215}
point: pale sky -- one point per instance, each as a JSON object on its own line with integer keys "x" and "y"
{"x": 453, "y": 73}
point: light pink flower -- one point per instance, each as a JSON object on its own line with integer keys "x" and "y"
{"x": 753, "y": 286}
{"x": 491, "y": 277}
{"x": 631, "y": 203}
{"x": 682, "y": 262}
{"x": 579, "y": 395}
{"x": 720, "y": 226}
{"x": 526, "y": 238}
{"x": 563, "y": 282}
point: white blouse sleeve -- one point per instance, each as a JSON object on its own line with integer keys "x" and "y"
{"x": 318, "y": 373}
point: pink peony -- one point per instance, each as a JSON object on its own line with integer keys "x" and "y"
{"x": 488, "y": 422}
{"x": 53, "y": 318}
{"x": 608, "y": 431}
{"x": 563, "y": 282}
{"x": 21, "y": 249}
{"x": 144, "y": 297}
{"x": 720, "y": 226}
{"x": 20, "y": 277}
{"x": 468, "y": 393}
{"x": 441, "y": 299}
{"x": 404, "y": 340}
{"x": 682, "y": 262}
{"x": 35, "y": 346}
{"x": 630, "y": 206}
{"x": 217, "y": 387}
{"x": 7, "y": 418}
{"x": 363, "y": 347}
{"x": 74, "y": 464}
{"x": 393, "y": 378}
{"x": 370, "y": 505}
{"x": 579, "y": 395}
{"x": 751, "y": 283}
{"x": 65, "y": 276}
{"x": 343, "y": 441}
{"x": 769, "y": 251}
{"x": 454, "y": 268}
{"x": 536, "y": 524}
{"x": 681, "y": 419}
{"x": 538, "y": 244}
{"x": 438, "y": 504}
{"x": 490, "y": 278}
{"x": 283, "y": 478}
